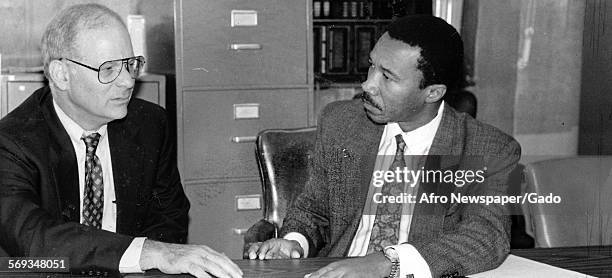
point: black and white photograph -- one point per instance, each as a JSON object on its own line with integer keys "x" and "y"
{"x": 306, "y": 138}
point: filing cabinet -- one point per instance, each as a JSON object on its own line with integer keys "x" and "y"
{"x": 272, "y": 53}
{"x": 15, "y": 88}
{"x": 211, "y": 116}
{"x": 242, "y": 66}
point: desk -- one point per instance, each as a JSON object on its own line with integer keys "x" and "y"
{"x": 596, "y": 261}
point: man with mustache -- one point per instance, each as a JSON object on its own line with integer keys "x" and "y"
{"x": 402, "y": 121}
{"x": 86, "y": 171}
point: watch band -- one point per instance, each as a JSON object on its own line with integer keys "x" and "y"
{"x": 395, "y": 264}
{"x": 395, "y": 269}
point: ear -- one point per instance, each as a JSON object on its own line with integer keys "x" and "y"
{"x": 435, "y": 93}
{"x": 58, "y": 72}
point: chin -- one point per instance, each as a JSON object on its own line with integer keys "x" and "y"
{"x": 118, "y": 114}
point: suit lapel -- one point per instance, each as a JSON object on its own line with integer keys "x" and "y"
{"x": 62, "y": 160}
{"x": 127, "y": 159}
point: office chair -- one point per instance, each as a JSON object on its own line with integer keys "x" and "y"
{"x": 283, "y": 157}
{"x": 584, "y": 216}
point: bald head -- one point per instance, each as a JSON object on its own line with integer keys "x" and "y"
{"x": 59, "y": 38}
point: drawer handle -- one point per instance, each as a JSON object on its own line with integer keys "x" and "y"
{"x": 239, "y": 231}
{"x": 245, "y": 46}
{"x": 244, "y": 139}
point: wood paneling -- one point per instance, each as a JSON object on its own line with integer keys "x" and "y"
{"x": 596, "y": 99}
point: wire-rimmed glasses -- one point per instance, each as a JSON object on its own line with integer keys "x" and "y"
{"x": 110, "y": 70}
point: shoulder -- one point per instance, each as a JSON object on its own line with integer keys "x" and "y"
{"x": 481, "y": 137}
{"x": 27, "y": 122}
{"x": 139, "y": 109}
{"x": 342, "y": 112}
{"x": 145, "y": 114}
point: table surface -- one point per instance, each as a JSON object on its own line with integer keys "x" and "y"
{"x": 595, "y": 261}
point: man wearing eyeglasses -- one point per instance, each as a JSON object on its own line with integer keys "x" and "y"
{"x": 86, "y": 171}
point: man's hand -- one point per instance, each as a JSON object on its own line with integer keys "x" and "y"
{"x": 197, "y": 260}
{"x": 373, "y": 265}
{"x": 276, "y": 248}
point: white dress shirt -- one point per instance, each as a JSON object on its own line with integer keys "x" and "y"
{"x": 418, "y": 142}
{"x": 130, "y": 261}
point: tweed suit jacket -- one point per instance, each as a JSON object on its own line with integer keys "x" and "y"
{"x": 452, "y": 238}
{"x": 39, "y": 188}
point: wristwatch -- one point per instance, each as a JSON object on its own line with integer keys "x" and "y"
{"x": 393, "y": 256}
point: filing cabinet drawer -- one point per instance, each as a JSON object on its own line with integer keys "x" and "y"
{"x": 208, "y": 150}
{"x": 19, "y": 91}
{"x": 207, "y": 35}
{"x": 152, "y": 88}
{"x": 215, "y": 220}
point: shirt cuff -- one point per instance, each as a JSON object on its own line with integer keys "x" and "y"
{"x": 130, "y": 261}
{"x": 411, "y": 262}
{"x": 301, "y": 239}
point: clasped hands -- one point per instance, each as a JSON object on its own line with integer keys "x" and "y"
{"x": 373, "y": 265}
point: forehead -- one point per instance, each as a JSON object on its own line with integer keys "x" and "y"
{"x": 103, "y": 43}
{"x": 395, "y": 55}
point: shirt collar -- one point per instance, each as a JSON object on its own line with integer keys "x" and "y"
{"x": 74, "y": 130}
{"x": 421, "y": 138}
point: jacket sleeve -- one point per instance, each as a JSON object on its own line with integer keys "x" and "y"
{"x": 309, "y": 213}
{"x": 28, "y": 230}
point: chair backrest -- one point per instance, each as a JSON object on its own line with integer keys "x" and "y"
{"x": 584, "y": 215}
{"x": 283, "y": 156}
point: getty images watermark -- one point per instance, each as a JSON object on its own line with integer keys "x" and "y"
{"x": 412, "y": 179}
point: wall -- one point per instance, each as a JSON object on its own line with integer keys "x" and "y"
{"x": 159, "y": 16}
{"x": 548, "y": 86}
{"x": 538, "y": 102}
{"x": 22, "y": 23}
{"x": 495, "y": 55}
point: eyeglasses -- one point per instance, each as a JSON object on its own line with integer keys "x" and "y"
{"x": 110, "y": 70}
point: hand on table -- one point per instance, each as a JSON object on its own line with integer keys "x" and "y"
{"x": 276, "y": 248}
{"x": 373, "y": 265}
{"x": 197, "y": 260}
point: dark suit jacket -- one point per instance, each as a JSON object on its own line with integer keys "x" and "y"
{"x": 39, "y": 188}
{"x": 452, "y": 238}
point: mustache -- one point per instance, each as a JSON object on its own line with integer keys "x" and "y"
{"x": 365, "y": 97}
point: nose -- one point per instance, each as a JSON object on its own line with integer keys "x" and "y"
{"x": 125, "y": 79}
{"x": 369, "y": 86}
